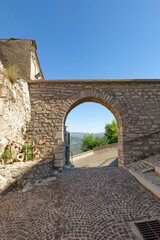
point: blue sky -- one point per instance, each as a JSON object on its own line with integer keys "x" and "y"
{"x": 88, "y": 38}
{"x": 88, "y": 117}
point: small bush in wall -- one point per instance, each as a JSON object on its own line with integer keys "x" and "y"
{"x": 11, "y": 73}
{"x": 29, "y": 151}
{"x": 7, "y": 155}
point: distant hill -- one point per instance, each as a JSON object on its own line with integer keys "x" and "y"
{"x": 81, "y": 134}
{"x": 75, "y": 138}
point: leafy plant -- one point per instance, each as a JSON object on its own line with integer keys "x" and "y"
{"x": 11, "y": 73}
{"x": 111, "y": 133}
{"x": 29, "y": 151}
{"x": 89, "y": 141}
{"x": 7, "y": 154}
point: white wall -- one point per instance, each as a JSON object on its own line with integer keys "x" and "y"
{"x": 15, "y": 111}
{"x": 34, "y": 64}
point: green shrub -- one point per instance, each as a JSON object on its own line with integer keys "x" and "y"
{"x": 11, "y": 73}
{"x": 29, "y": 151}
{"x": 111, "y": 132}
{"x": 7, "y": 154}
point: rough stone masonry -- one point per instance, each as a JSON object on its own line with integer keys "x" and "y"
{"x": 134, "y": 103}
{"x": 14, "y": 111}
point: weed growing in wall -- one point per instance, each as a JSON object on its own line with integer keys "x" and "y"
{"x": 11, "y": 73}
{"x": 7, "y": 154}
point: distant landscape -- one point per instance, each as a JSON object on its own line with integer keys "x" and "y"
{"x": 75, "y": 138}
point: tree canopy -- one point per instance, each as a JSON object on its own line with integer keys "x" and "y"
{"x": 89, "y": 141}
{"x": 111, "y": 133}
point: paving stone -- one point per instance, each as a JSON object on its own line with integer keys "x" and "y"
{"x": 83, "y": 203}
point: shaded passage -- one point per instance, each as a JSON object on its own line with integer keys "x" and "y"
{"x": 84, "y": 203}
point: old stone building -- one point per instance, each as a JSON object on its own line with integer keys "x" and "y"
{"x": 134, "y": 103}
{"x": 22, "y": 53}
{"x": 38, "y": 109}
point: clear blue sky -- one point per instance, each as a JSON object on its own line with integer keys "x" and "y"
{"x": 88, "y": 38}
{"x": 88, "y": 117}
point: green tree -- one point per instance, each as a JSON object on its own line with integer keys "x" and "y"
{"x": 110, "y": 136}
{"x": 89, "y": 142}
{"x": 111, "y": 133}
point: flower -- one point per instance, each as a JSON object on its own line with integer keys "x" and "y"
{"x": 16, "y": 146}
{"x": 26, "y": 153}
{"x": 36, "y": 153}
{"x": 34, "y": 146}
{"x": 44, "y": 143}
{"x": 27, "y": 141}
{"x": 12, "y": 144}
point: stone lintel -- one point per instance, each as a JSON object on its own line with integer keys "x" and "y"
{"x": 77, "y": 81}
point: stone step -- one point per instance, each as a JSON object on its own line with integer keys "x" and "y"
{"x": 148, "y": 169}
{"x": 153, "y": 177}
{"x": 147, "y": 172}
{"x": 140, "y": 167}
{"x": 155, "y": 160}
{"x": 151, "y": 182}
{"x": 156, "y": 168}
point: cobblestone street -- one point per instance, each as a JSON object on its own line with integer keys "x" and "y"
{"x": 84, "y": 203}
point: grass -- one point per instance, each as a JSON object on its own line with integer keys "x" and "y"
{"x": 11, "y": 73}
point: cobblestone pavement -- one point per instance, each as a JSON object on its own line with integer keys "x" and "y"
{"x": 83, "y": 203}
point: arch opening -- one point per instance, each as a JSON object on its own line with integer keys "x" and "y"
{"x": 109, "y": 107}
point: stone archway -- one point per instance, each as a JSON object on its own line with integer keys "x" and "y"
{"x": 134, "y": 103}
{"x": 76, "y": 100}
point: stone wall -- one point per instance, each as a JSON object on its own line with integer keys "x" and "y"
{"x": 106, "y": 147}
{"x": 82, "y": 155}
{"x": 15, "y": 111}
{"x": 18, "y": 52}
{"x": 97, "y": 150}
{"x": 22, "y": 53}
{"x": 24, "y": 174}
{"x": 134, "y": 103}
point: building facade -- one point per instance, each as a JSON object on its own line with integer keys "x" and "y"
{"x": 22, "y": 53}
